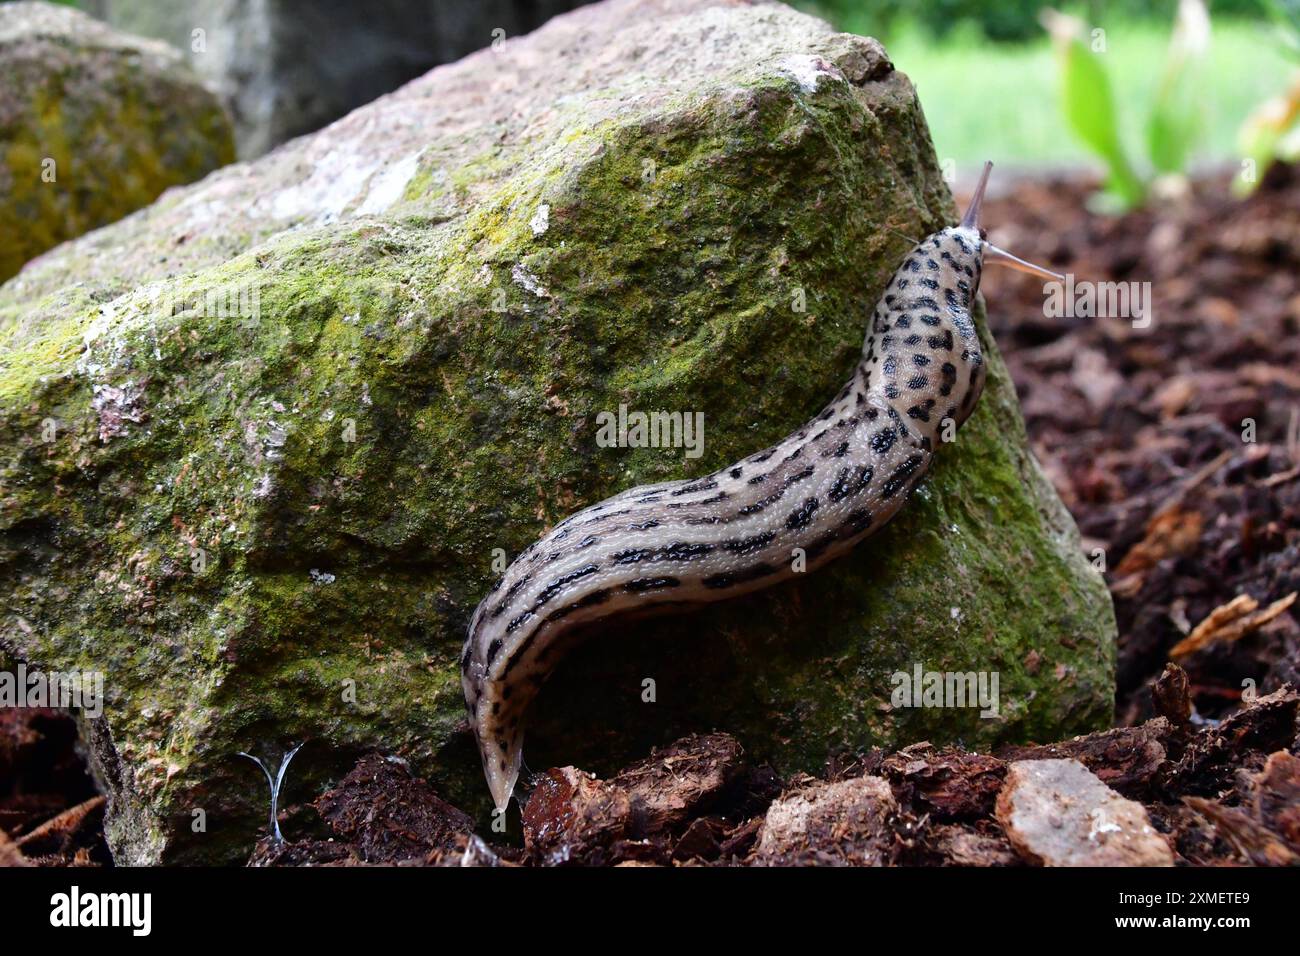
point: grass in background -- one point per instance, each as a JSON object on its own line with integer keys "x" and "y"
{"x": 999, "y": 101}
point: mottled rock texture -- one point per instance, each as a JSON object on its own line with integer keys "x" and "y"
{"x": 94, "y": 124}
{"x": 262, "y": 440}
{"x": 1058, "y": 813}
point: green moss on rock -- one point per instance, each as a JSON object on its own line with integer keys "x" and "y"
{"x": 274, "y": 525}
{"x": 94, "y": 124}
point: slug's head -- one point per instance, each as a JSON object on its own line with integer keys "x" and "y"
{"x": 923, "y": 336}
{"x": 974, "y": 249}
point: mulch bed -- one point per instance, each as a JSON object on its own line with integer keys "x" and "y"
{"x": 1222, "y": 794}
{"x": 1142, "y": 431}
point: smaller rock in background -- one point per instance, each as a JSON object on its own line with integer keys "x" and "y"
{"x": 96, "y": 124}
{"x": 287, "y": 68}
{"x": 1058, "y": 813}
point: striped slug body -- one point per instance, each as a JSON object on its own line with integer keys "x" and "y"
{"x": 669, "y": 547}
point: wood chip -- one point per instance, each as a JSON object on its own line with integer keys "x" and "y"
{"x": 1230, "y": 622}
{"x": 10, "y": 855}
{"x": 1171, "y": 531}
{"x": 845, "y": 823}
{"x": 1251, "y": 838}
{"x": 66, "y": 822}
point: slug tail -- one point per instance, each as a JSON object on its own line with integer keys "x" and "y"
{"x": 501, "y": 762}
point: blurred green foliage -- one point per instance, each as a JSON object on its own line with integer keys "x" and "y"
{"x": 1003, "y": 20}
{"x": 1272, "y": 131}
{"x": 1000, "y": 101}
{"x": 1173, "y": 116}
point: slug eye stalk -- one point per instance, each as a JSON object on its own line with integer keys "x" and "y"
{"x": 992, "y": 254}
{"x": 996, "y": 256}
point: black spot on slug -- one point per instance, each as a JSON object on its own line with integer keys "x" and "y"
{"x": 802, "y": 516}
{"x": 855, "y": 523}
{"x": 949, "y": 372}
{"x": 732, "y": 578}
{"x": 510, "y": 596}
{"x": 691, "y": 489}
{"x": 650, "y": 584}
{"x": 720, "y": 496}
{"x": 900, "y": 476}
{"x": 742, "y": 546}
{"x": 631, "y": 556}
{"x": 607, "y": 516}
{"x": 559, "y": 584}
{"x": 685, "y": 551}
{"x": 847, "y": 483}
{"x": 799, "y": 475}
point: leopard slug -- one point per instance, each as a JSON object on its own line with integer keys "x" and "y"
{"x": 669, "y": 547}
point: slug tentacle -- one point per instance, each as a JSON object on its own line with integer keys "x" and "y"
{"x": 677, "y": 545}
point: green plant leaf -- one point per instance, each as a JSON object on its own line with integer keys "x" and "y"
{"x": 1286, "y": 15}
{"x": 1089, "y": 105}
{"x": 1174, "y": 124}
{"x": 1268, "y": 134}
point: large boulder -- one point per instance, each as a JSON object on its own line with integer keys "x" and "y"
{"x": 94, "y": 124}
{"x": 265, "y": 441}
{"x": 286, "y": 67}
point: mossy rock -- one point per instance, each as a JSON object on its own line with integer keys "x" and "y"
{"x": 94, "y": 124}
{"x": 260, "y": 479}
